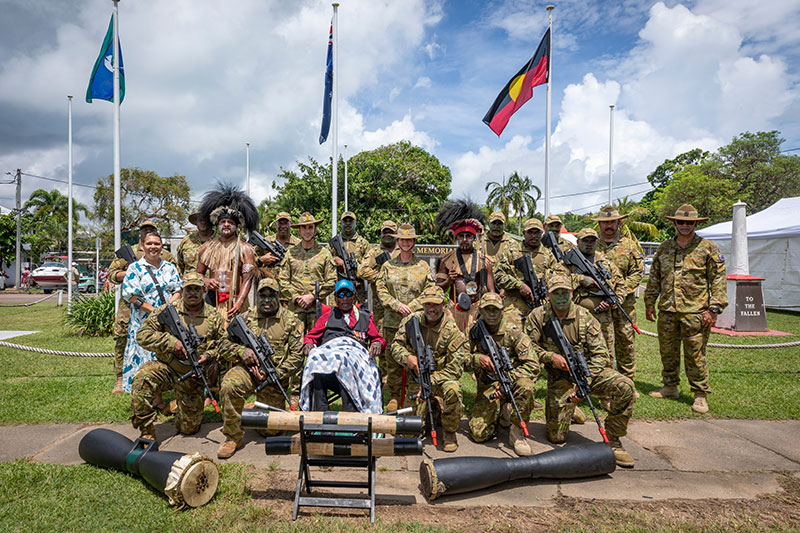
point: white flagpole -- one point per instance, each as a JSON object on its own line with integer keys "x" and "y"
{"x": 335, "y": 121}
{"x": 346, "y": 207}
{"x": 611, "y": 156}
{"x": 247, "y": 172}
{"x": 547, "y": 119}
{"x": 117, "y": 185}
{"x": 69, "y": 203}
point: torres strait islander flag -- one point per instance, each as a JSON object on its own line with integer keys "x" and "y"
{"x": 520, "y": 88}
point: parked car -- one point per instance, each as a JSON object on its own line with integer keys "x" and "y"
{"x": 648, "y": 263}
{"x": 87, "y": 283}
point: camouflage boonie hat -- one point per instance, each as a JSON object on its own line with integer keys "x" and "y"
{"x": 497, "y": 215}
{"x": 608, "y": 214}
{"x": 389, "y": 224}
{"x": 406, "y": 231}
{"x": 283, "y": 215}
{"x": 532, "y": 223}
{"x": 268, "y": 283}
{"x": 432, "y": 295}
{"x": 307, "y": 219}
{"x": 348, "y": 214}
{"x": 146, "y": 224}
{"x": 586, "y": 232}
{"x": 687, "y": 212}
{"x": 192, "y": 278}
{"x": 558, "y": 281}
{"x": 491, "y": 299}
{"x": 552, "y": 218}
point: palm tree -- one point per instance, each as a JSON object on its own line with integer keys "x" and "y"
{"x": 50, "y": 211}
{"x": 636, "y": 215}
{"x": 499, "y": 196}
{"x": 521, "y": 200}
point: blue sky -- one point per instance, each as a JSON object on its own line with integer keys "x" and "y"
{"x": 204, "y": 77}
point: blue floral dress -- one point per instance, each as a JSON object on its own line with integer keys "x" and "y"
{"x": 138, "y": 282}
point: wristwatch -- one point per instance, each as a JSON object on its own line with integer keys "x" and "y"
{"x": 715, "y": 310}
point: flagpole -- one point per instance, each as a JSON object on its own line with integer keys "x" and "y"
{"x": 611, "y": 156}
{"x": 247, "y": 171}
{"x": 335, "y": 120}
{"x": 69, "y": 205}
{"x": 346, "y": 207}
{"x": 117, "y": 179}
{"x": 547, "y": 115}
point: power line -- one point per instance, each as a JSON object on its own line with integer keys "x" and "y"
{"x": 598, "y": 190}
{"x": 605, "y": 203}
{"x": 58, "y": 181}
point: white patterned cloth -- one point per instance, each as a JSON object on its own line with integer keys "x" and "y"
{"x": 356, "y": 370}
{"x": 138, "y": 282}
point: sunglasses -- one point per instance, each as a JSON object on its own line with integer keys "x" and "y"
{"x": 685, "y": 222}
{"x": 345, "y": 294}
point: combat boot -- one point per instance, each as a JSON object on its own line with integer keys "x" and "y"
{"x": 117, "y": 386}
{"x": 393, "y": 404}
{"x": 700, "y": 404}
{"x": 517, "y": 441}
{"x": 228, "y": 448}
{"x": 624, "y": 459}
{"x": 578, "y": 416}
{"x": 148, "y": 432}
{"x": 667, "y": 391}
{"x": 505, "y": 415}
{"x": 449, "y": 441}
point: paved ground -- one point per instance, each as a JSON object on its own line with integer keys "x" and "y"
{"x": 697, "y": 459}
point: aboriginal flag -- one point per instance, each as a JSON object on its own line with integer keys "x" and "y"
{"x": 520, "y": 88}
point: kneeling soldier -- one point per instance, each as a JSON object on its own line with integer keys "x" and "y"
{"x": 583, "y": 333}
{"x": 163, "y": 373}
{"x": 488, "y": 398}
{"x": 448, "y": 344}
{"x": 284, "y": 331}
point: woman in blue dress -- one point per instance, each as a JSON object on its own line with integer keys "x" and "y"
{"x": 140, "y": 289}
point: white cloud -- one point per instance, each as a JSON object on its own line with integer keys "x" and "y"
{"x": 423, "y": 82}
{"x": 399, "y": 130}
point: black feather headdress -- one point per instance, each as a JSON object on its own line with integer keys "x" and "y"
{"x": 462, "y": 212}
{"x": 225, "y": 199}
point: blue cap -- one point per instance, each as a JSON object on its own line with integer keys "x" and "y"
{"x": 344, "y": 284}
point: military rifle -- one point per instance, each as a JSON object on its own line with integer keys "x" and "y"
{"x": 191, "y": 342}
{"x": 350, "y": 264}
{"x": 537, "y": 286}
{"x": 599, "y": 274}
{"x": 275, "y": 248}
{"x": 426, "y": 367}
{"x": 550, "y": 240}
{"x": 316, "y": 298}
{"x": 242, "y": 334}
{"x": 381, "y": 258}
{"x": 502, "y": 366}
{"x": 578, "y": 369}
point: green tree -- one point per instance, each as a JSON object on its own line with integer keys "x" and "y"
{"x": 637, "y": 221}
{"x": 665, "y": 172}
{"x": 8, "y": 238}
{"x": 144, "y": 196}
{"x": 514, "y": 193}
{"x": 400, "y": 182}
{"x": 710, "y": 194}
{"x": 49, "y": 211}
{"x": 499, "y": 197}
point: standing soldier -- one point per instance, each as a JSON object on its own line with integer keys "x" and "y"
{"x": 688, "y": 281}
{"x": 191, "y": 243}
{"x": 582, "y": 331}
{"x": 498, "y": 240}
{"x": 449, "y": 346}
{"x": 267, "y": 263}
{"x": 353, "y": 244}
{"x": 163, "y": 373}
{"x": 553, "y": 224}
{"x": 304, "y": 265}
{"x": 116, "y": 274}
{"x": 285, "y": 334}
{"x": 626, "y": 254}
{"x": 518, "y": 295}
{"x": 401, "y": 282}
{"x": 369, "y": 268}
{"x": 486, "y": 411}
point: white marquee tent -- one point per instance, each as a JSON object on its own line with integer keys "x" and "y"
{"x": 773, "y": 242}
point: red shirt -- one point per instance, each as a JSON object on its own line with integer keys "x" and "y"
{"x": 315, "y": 335}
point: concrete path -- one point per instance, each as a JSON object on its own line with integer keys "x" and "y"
{"x": 10, "y": 334}
{"x": 695, "y": 459}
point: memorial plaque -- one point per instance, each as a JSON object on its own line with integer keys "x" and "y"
{"x": 750, "y": 312}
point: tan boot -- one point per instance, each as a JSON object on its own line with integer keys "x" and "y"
{"x": 449, "y": 441}
{"x": 505, "y": 415}
{"x": 117, "y": 386}
{"x": 148, "y": 432}
{"x": 624, "y": 459}
{"x": 578, "y": 417}
{"x": 636, "y": 394}
{"x": 667, "y": 391}
{"x": 517, "y": 440}
{"x": 392, "y": 405}
{"x": 700, "y": 404}
{"x": 228, "y": 448}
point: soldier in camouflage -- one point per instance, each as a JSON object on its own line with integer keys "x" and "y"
{"x": 285, "y": 334}
{"x": 486, "y": 411}
{"x": 518, "y": 296}
{"x": 368, "y": 268}
{"x": 497, "y": 239}
{"x": 268, "y": 265}
{"x": 449, "y": 347}
{"x": 552, "y": 223}
{"x": 163, "y": 373}
{"x": 688, "y": 281}
{"x": 190, "y": 245}
{"x": 353, "y": 244}
{"x": 401, "y": 281}
{"x": 116, "y": 274}
{"x": 583, "y": 333}
{"x": 627, "y": 255}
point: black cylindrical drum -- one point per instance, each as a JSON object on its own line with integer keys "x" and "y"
{"x": 290, "y": 421}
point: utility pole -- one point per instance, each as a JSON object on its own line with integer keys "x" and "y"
{"x": 18, "y": 272}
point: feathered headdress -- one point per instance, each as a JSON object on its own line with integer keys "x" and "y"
{"x": 460, "y": 215}
{"x": 227, "y": 201}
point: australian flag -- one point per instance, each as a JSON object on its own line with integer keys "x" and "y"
{"x": 101, "y": 82}
{"x": 328, "y": 96}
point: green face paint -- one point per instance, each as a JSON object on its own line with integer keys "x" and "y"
{"x": 587, "y": 245}
{"x": 492, "y": 315}
{"x": 561, "y": 299}
{"x": 268, "y": 302}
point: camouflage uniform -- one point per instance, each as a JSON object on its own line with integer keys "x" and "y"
{"x": 509, "y": 278}
{"x": 560, "y": 240}
{"x": 485, "y": 412}
{"x": 301, "y": 269}
{"x": 187, "y": 252}
{"x": 449, "y": 347}
{"x": 583, "y": 332}
{"x": 495, "y": 249}
{"x": 686, "y": 282}
{"x": 400, "y": 283}
{"x": 163, "y": 373}
{"x": 627, "y": 256}
{"x": 123, "y": 315}
{"x": 359, "y": 247}
{"x": 368, "y": 270}
{"x": 285, "y": 333}
{"x": 591, "y": 297}
{"x": 273, "y": 270}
